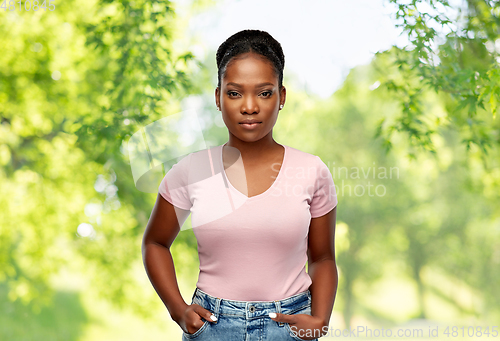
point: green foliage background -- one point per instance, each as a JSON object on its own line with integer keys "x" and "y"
{"x": 77, "y": 82}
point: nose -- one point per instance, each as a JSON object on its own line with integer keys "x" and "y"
{"x": 249, "y": 105}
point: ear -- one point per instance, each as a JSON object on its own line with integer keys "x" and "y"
{"x": 217, "y": 98}
{"x": 283, "y": 95}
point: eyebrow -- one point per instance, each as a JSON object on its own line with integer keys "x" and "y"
{"x": 257, "y": 86}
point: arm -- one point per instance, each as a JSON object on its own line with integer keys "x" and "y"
{"x": 162, "y": 229}
{"x": 323, "y": 272}
{"x": 322, "y": 266}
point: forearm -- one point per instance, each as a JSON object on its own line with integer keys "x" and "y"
{"x": 160, "y": 269}
{"x": 323, "y": 289}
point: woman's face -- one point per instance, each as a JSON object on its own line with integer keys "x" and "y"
{"x": 249, "y": 91}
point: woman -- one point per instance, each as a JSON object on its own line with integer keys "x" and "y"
{"x": 260, "y": 211}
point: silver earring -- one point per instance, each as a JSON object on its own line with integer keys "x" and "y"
{"x": 281, "y": 106}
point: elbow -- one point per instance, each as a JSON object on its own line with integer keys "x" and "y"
{"x": 326, "y": 258}
{"x": 145, "y": 244}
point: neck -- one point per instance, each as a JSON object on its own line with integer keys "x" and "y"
{"x": 255, "y": 149}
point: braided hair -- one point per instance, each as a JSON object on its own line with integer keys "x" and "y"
{"x": 256, "y": 41}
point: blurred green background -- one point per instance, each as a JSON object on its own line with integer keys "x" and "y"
{"x": 411, "y": 138}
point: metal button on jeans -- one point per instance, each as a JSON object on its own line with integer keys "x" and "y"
{"x": 252, "y": 309}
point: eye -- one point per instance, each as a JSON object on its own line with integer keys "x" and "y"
{"x": 267, "y": 92}
{"x": 231, "y": 92}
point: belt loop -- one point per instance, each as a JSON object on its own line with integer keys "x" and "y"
{"x": 278, "y": 309}
{"x": 217, "y": 308}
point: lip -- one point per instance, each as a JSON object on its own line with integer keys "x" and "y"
{"x": 250, "y": 121}
{"x": 250, "y": 126}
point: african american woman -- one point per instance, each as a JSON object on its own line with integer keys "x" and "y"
{"x": 261, "y": 211}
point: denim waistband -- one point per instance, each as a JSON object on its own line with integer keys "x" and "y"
{"x": 251, "y": 309}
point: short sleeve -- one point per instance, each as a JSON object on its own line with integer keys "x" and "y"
{"x": 325, "y": 195}
{"x": 174, "y": 186}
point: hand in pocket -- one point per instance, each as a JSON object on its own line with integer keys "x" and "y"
{"x": 191, "y": 321}
{"x": 304, "y": 326}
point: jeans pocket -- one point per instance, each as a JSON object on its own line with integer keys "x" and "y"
{"x": 198, "y": 332}
{"x": 294, "y": 332}
{"x": 196, "y": 300}
{"x": 306, "y": 310}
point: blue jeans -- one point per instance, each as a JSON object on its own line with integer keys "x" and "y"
{"x": 248, "y": 321}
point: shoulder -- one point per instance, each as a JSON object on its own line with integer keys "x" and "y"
{"x": 182, "y": 161}
{"x": 302, "y": 157}
{"x": 198, "y": 160}
{"x": 196, "y": 155}
{"x": 302, "y": 161}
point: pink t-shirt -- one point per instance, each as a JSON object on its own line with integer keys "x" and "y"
{"x": 251, "y": 249}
